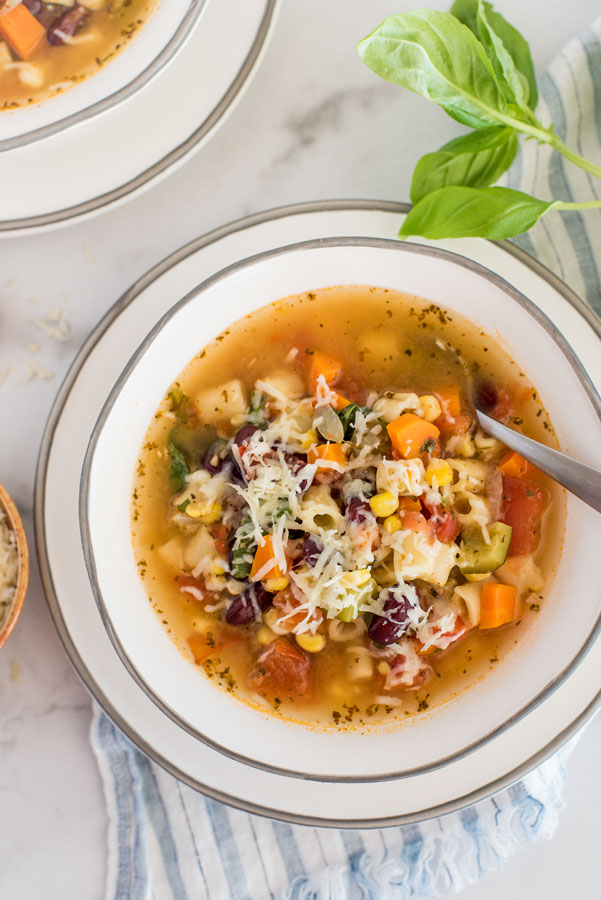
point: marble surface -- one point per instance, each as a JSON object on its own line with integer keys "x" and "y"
{"x": 314, "y": 124}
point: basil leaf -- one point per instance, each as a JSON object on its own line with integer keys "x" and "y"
{"x": 244, "y": 544}
{"x": 515, "y": 44}
{"x": 514, "y": 83}
{"x": 347, "y": 417}
{"x": 431, "y": 53}
{"x": 179, "y": 469}
{"x": 475, "y": 160}
{"x": 493, "y": 212}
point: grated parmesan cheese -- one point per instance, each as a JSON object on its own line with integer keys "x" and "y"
{"x": 9, "y": 566}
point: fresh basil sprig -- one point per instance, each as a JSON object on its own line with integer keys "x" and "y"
{"x": 478, "y": 68}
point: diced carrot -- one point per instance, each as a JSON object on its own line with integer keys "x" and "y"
{"x": 497, "y": 604}
{"x": 328, "y": 366}
{"x": 22, "y": 31}
{"x": 411, "y": 504}
{"x": 209, "y": 643}
{"x": 450, "y": 400}
{"x": 286, "y": 602}
{"x": 265, "y": 554}
{"x": 339, "y": 402}
{"x": 409, "y": 433}
{"x": 515, "y": 465}
{"x": 335, "y": 453}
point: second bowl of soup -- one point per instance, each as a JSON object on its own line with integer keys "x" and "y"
{"x": 62, "y": 63}
{"x": 304, "y": 549}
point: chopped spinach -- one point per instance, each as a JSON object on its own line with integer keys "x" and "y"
{"x": 179, "y": 403}
{"x": 347, "y": 417}
{"x": 179, "y": 468}
{"x": 257, "y": 407}
{"x": 244, "y": 544}
{"x": 428, "y": 446}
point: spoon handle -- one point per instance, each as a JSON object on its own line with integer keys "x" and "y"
{"x": 581, "y": 480}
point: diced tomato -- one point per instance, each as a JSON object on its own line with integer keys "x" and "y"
{"x": 416, "y": 521}
{"x": 458, "y": 424}
{"x": 523, "y": 504}
{"x": 442, "y": 521}
{"x": 286, "y": 602}
{"x": 205, "y": 644}
{"x": 504, "y": 408}
{"x": 446, "y": 525}
{"x": 195, "y": 587}
{"x": 282, "y": 670}
{"x": 220, "y": 533}
{"x": 444, "y": 639}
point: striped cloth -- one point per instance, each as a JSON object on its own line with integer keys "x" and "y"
{"x": 167, "y": 842}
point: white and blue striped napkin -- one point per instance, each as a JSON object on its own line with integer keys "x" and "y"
{"x": 167, "y": 842}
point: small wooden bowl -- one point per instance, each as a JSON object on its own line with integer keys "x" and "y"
{"x": 14, "y": 520}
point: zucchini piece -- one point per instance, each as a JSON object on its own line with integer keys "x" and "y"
{"x": 477, "y": 557}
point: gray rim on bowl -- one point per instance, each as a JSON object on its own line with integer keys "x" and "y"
{"x": 52, "y": 598}
{"x": 187, "y": 146}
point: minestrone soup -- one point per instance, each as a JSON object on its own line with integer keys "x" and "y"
{"x": 320, "y": 523}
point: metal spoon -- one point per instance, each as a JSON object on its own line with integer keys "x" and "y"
{"x": 581, "y": 480}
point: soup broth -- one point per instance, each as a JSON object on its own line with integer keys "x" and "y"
{"x": 320, "y": 525}
{"x": 46, "y": 48}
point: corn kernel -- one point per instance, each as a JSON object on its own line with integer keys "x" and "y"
{"x": 355, "y": 579}
{"x": 383, "y": 667}
{"x": 207, "y": 513}
{"x": 441, "y": 470}
{"x": 384, "y": 504}
{"x": 431, "y": 408}
{"x": 265, "y": 635}
{"x": 273, "y": 585}
{"x": 477, "y": 576}
{"x": 312, "y": 643}
{"x": 392, "y": 524}
{"x": 308, "y": 439}
{"x": 270, "y": 617}
{"x": 217, "y": 569}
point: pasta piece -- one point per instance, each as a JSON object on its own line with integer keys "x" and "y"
{"x": 470, "y": 474}
{"x": 319, "y": 511}
{"x": 392, "y": 406}
{"x": 221, "y": 403}
{"x": 416, "y": 556}
{"x": 469, "y": 593}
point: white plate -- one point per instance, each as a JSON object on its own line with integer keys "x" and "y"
{"x": 409, "y": 798}
{"x": 109, "y": 156}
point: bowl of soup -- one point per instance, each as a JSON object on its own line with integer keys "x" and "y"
{"x": 61, "y": 63}
{"x": 303, "y": 547}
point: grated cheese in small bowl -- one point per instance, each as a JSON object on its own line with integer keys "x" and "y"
{"x": 9, "y": 567}
{"x": 14, "y": 565}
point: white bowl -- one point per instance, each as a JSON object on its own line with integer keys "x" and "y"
{"x": 545, "y": 654}
{"x": 162, "y": 35}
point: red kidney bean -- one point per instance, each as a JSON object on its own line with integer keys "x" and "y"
{"x": 486, "y": 395}
{"x": 296, "y": 462}
{"x": 214, "y": 461}
{"x": 249, "y": 605}
{"x": 311, "y": 550}
{"x": 358, "y": 510}
{"x": 69, "y": 23}
{"x": 244, "y": 434}
{"x": 393, "y": 623}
